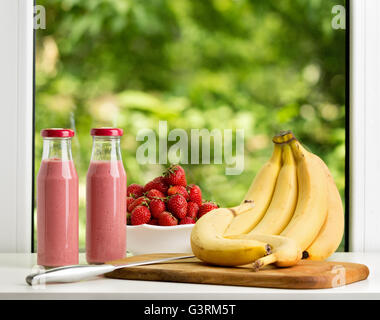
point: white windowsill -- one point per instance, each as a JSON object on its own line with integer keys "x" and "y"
{"x": 15, "y": 266}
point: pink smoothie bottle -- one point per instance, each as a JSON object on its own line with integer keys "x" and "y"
{"x": 57, "y": 201}
{"x": 105, "y": 198}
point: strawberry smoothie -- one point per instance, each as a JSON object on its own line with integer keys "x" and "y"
{"x": 57, "y": 205}
{"x": 106, "y": 202}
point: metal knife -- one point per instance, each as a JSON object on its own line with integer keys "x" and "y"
{"x": 79, "y": 272}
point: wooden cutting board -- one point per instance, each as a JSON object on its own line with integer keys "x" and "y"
{"x": 305, "y": 275}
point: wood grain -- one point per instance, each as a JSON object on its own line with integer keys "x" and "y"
{"x": 305, "y": 275}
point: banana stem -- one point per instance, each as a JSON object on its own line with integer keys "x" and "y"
{"x": 262, "y": 262}
{"x": 297, "y": 151}
{"x": 283, "y": 137}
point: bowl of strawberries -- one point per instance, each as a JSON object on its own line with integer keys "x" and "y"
{"x": 162, "y": 213}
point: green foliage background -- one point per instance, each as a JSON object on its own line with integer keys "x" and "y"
{"x": 261, "y": 66}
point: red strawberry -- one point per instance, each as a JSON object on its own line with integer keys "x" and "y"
{"x": 195, "y": 194}
{"x": 153, "y": 222}
{"x": 135, "y": 190}
{"x": 175, "y": 176}
{"x": 138, "y": 202}
{"x": 129, "y": 201}
{"x": 178, "y": 190}
{"x": 187, "y": 220}
{"x": 156, "y": 207}
{"x": 154, "y": 194}
{"x": 167, "y": 219}
{"x": 206, "y": 207}
{"x": 177, "y": 205}
{"x": 140, "y": 215}
{"x": 192, "y": 210}
{"x": 158, "y": 184}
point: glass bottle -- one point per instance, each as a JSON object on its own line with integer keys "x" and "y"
{"x": 106, "y": 189}
{"x": 57, "y": 201}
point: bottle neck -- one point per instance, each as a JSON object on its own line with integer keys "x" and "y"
{"x": 57, "y": 148}
{"x": 106, "y": 148}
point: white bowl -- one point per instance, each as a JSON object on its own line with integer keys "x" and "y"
{"x": 146, "y": 238}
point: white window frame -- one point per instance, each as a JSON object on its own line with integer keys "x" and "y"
{"x": 364, "y": 126}
{"x": 16, "y": 130}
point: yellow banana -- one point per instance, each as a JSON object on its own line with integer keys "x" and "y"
{"x": 260, "y": 191}
{"x": 311, "y": 209}
{"x": 208, "y": 244}
{"x": 331, "y": 233}
{"x": 284, "y": 199}
{"x": 285, "y": 252}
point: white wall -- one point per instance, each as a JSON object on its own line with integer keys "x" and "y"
{"x": 365, "y": 126}
{"x": 16, "y": 83}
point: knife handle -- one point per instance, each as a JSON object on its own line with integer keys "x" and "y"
{"x": 69, "y": 273}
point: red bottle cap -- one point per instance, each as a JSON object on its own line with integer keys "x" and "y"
{"x": 57, "y": 133}
{"x": 115, "y": 132}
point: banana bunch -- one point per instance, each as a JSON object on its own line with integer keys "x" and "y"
{"x": 297, "y": 213}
